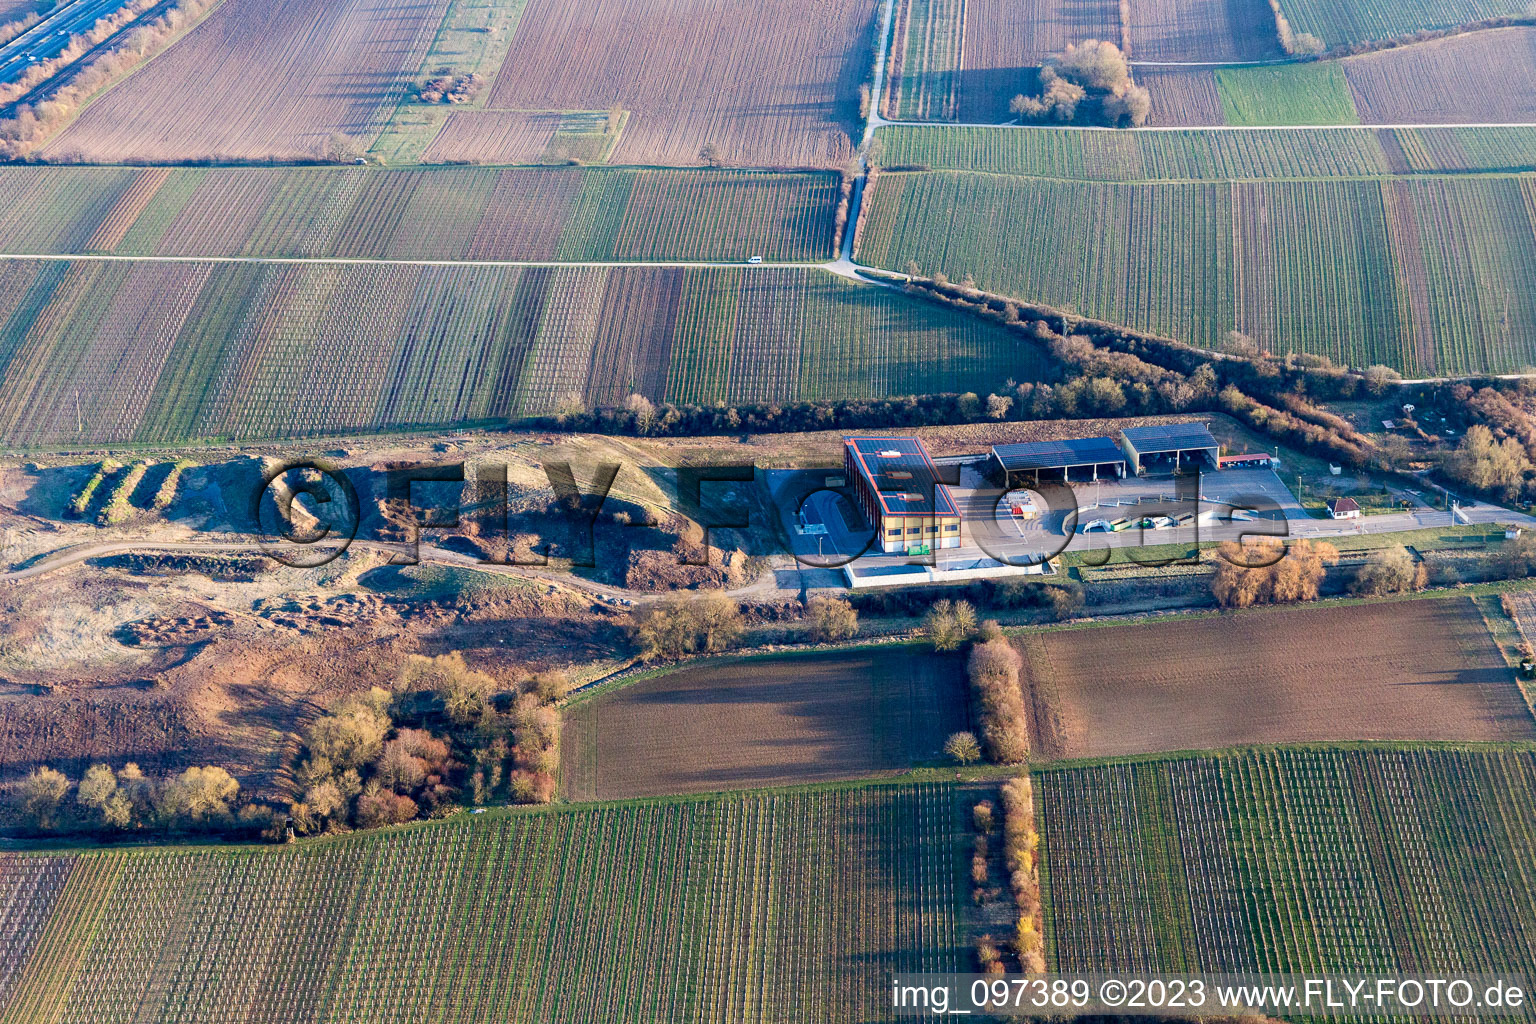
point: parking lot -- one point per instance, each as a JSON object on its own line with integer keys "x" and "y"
{"x": 826, "y": 529}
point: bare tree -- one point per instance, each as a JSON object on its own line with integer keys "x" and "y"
{"x": 963, "y": 747}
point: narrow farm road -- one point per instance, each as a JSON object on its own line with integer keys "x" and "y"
{"x": 372, "y": 261}
{"x": 1213, "y": 127}
{"x": 1213, "y": 63}
{"x": 844, "y": 266}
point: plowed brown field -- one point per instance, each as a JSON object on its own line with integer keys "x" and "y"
{"x": 1482, "y": 76}
{"x": 1203, "y": 30}
{"x": 769, "y": 82}
{"x": 1006, "y": 40}
{"x": 764, "y": 722}
{"x": 262, "y": 78}
{"x": 1182, "y": 96}
{"x": 1416, "y": 670}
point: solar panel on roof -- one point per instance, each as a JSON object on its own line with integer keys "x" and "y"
{"x": 1087, "y": 451}
{"x": 1169, "y": 436}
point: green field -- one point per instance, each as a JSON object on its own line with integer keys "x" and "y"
{"x": 1289, "y": 94}
{"x": 1197, "y": 155}
{"x": 1293, "y": 861}
{"x": 1342, "y": 22}
{"x": 448, "y": 213}
{"x": 158, "y": 352}
{"x": 930, "y": 37}
{"x": 746, "y": 907}
{"x": 1424, "y": 274}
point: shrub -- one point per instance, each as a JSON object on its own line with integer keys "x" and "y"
{"x": 1389, "y": 571}
{"x": 1268, "y": 572}
{"x": 832, "y": 618}
{"x": 993, "y": 668}
{"x": 532, "y": 787}
{"x": 683, "y": 623}
{"x": 982, "y": 816}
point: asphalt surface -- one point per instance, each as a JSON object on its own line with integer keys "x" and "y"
{"x": 49, "y": 37}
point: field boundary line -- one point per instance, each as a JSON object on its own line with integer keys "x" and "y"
{"x": 1209, "y": 127}
{"x": 384, "y": 261}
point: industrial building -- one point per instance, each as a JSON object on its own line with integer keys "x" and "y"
{"x": 1169, "y": 447}
{"x": 901, "y": 494}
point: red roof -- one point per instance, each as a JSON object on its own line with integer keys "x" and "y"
{"x": 1343, "y": 505}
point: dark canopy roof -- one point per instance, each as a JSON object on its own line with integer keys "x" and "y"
{"x": 1169, "y": 437}
{"x": 1087, "y": 451}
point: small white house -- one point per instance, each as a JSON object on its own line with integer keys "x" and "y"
{"x": 1344, "y": 508}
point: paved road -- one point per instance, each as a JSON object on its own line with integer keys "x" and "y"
{"x": 1213, "y": 127}
{"x": 367, "y": 261}
{"x": 49, "y": 37}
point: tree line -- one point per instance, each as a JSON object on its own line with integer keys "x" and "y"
{"x": 112, "y": 803}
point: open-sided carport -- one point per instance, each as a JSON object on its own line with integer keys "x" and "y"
{"x": 1087, "y": 458}
{"x": 1169, "y": 446}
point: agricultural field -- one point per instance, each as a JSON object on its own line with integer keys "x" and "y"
{"x": 259, "y": 80}
{"x": 522, "y": 137}
{"x": 169, "y": 351}
{"x": 473, "y": 39}
{"x": 457, "y": 213}
{"x": 1292, "y": 861}
{"x": 1006, "y": 40}
{"x": 749, "y": 907}
{"x": 1194, "y": 30}
{"x": 1479, "y": 77}
{"x": 1420, "y": 670}
{"x": 1182, "y": 96}
{"x": 764, "y": 721}
{"x": 1331, "y": 267}
{"x": 1288, "y": 94}
{"x": 769, "y": 84}
{"x": 926, "y": 48}
{"x": 1346, "y": 22}
{"x": 1207, "y": 155}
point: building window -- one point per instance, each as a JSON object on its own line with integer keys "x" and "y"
{"x": 893, "y": 533}
{"x": 951, "y": 528}
{"x": 913, "y": 531}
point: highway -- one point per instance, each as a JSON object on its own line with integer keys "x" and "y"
{"x": 49, "y": 37}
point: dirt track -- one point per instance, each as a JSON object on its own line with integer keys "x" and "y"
{"x": 1417, "y": 670}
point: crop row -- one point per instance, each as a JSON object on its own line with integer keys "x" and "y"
{"x": 1207, "y": 155}
{"x": 1340, "y": 23}
{"x": 930, "y": 38}
{"x": 443, "y": 213}
{"x": 95, "y": 352}
{"x": 762, "y": 906}
{"x": 1293, "y": 862}
{"x": 1329, "y": 267}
